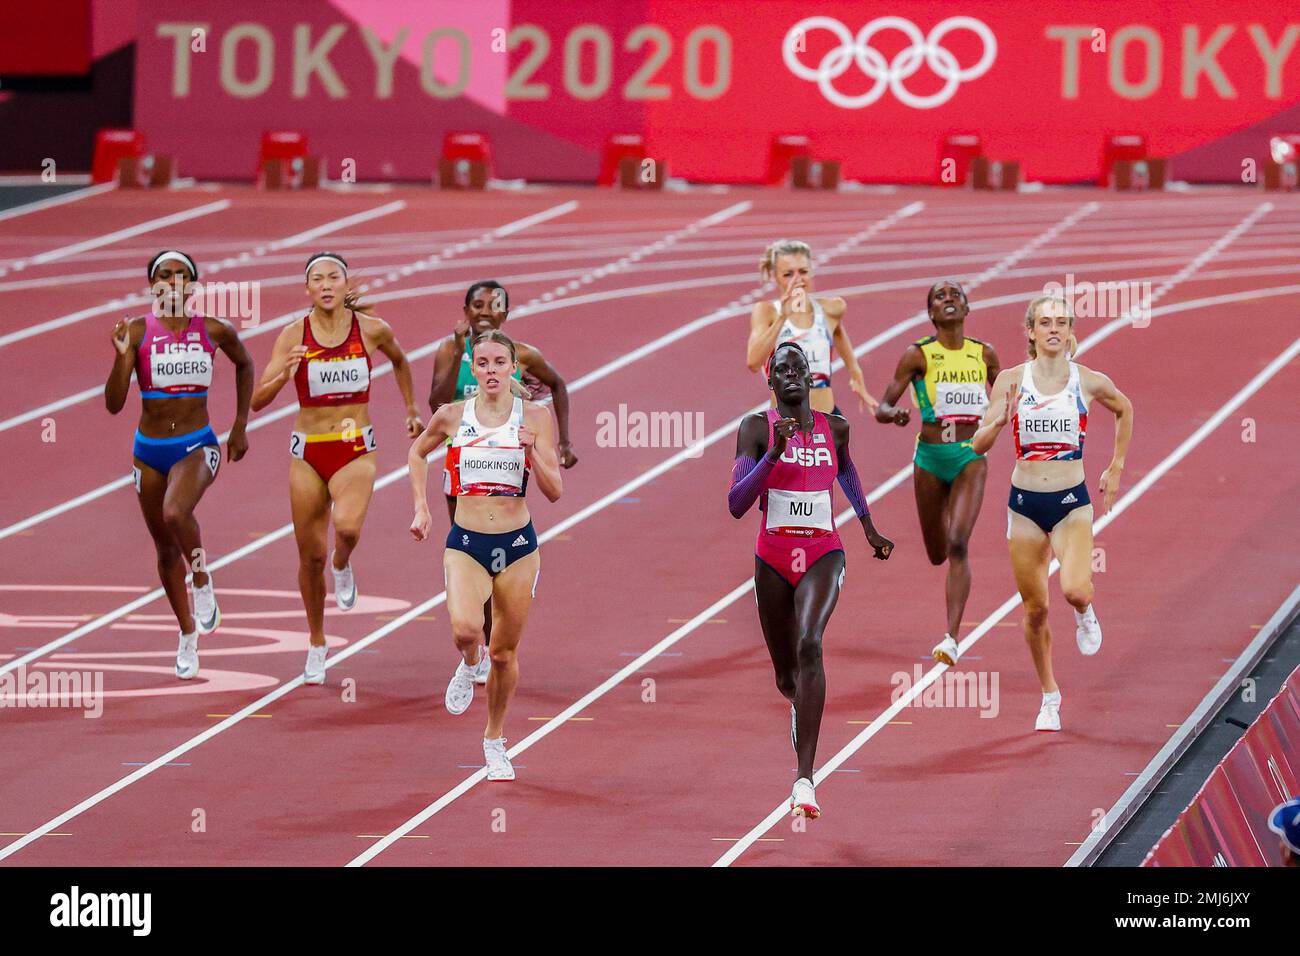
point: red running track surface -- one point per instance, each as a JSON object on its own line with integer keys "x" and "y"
{"x": 319, "y": 775}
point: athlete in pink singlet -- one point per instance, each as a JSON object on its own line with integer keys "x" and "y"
{"x": 788, "y": 459}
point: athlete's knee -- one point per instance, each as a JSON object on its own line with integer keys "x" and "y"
{"x": 810, "y": 653}
{"x": 175, "y": 517}
{"x": 958, "y": 547}
{"x": 1079, "y": 596}
{"x": 1035, "y": 615}
{"x": 502, "y": 658}
{"x": 312, "y": 560}
{"x": 347, "y": 535}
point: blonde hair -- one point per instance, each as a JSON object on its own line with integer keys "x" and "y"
{"x": 1032, "y": 313}
{"x": 496, "y": 335}
{"x": 782, "y": 247}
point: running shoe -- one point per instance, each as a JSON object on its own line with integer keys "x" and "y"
{"x": 483, "y": 667}
{"x": 498, "y": 764}
{"x": 945, "y": 652}
{"x": 1087, "y": 632}
{"x": 794, "y": 731}
{"x": 206, "y": 613}
{"x": 187, "y": 656}
{"x": 803, "y": 801}
{"x": 314, "y": 672}
{"x": 460, "y": 689}
{"x": 345, "y": 587}
{"x": 1049, "y": 715}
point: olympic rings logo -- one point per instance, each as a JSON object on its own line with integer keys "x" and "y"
{"x": 891, "y": 75}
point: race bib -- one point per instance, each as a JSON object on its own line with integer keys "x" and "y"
{"x": 805, "y": 514}
{"x": 492, "y": 468}
{"x": 180, "y": 367}
{"x": 1048, "y": 426}
{"x": 959, "y": 401}
{"x": 340, "y": 377}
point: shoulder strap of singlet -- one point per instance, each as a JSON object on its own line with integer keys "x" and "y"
{"x": 517, "y": 412}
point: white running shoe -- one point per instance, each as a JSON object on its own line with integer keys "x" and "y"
{"x": 483, "y": 667}
{"x": 945, "y": 652}
{"x": 460, "y": 689}
{"x": 1087, "y": 632}
{"x": 314, "y": 672}
{"x": 803, "y": 801}
{"x": 794, "y": 731}
{"x": 1049, "y": 715}
{"x": 206, "y": 613}
{"x": 498, "y": 764}
{"x": 187, "y": 656}
{"x": 345, "y": 586}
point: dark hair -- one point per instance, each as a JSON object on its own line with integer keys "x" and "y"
{"x": 172, "y": 254}
{"x": 771, "y": 359}
{"x": 487, "y": 284}
{"x": 353, "y": 299}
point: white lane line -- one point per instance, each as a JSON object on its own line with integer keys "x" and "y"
{"x": 414, "y": 355}
{"x": 415, "y": 612}
{"x": 1133, "y": 798}
{"x": 285, "y": 319}
{"x": 137, "y": 299}
{"x": 695, "y": 451}
{"x": 286, "y": 529}
{"x": 60, "y": 200}
{"x": 162, "y": 222}
{"x": 1013, "y": 601}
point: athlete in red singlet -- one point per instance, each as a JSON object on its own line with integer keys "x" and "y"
{"x": 788, "y": 458}
{"x": 326, "y": 355}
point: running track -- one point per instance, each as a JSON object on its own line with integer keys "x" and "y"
{"x": 370, "y": 768}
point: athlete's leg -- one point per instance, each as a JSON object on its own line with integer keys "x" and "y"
{"x": 309, "y": 502}
{"x": 186, "y": 482}
{"x": 487, "y": 607}
{"x": 350, "y": 489}
{"x": 1030, "y": 555}
{"x": 1072, "y": 542}
{"x": 171, "y": 562}
{"x": 814, "y": 600}
{"x": 512, "y": 594}
{"x": 964, "y": 500}
{"x": 468, "y": 586}
{"x": 932, "y": 508}
{"x": 775, "y": 599}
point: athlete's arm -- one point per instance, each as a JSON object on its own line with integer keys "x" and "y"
{"x": 847, "y": 475}
{"x": 536, "y": 365}
{"x": 997, "y": 415}
{"x": 754, "y": 462}
{"x": 446, "y": 366}
{"x": 280, "y": 368}
{"x": 127, "y": 335}
{"x": 538, "y": 438}
{"x": 764, "y": 327}
{"x": 381, "y": 333}
{"x": 1103, "y": 390}
{"x": 911, "y": 365}
{"x": 224, "y": 336}
{"x": 441, "y": 425}
{"x": 992, "y": 364}
{"x": 835, "y": 309}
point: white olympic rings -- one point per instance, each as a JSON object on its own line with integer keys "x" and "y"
{"x": 891, "y": 75}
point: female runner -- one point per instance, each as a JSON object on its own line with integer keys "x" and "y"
{"x": 948, "y": 372}
{"x": 487, "y": 307}
{"x": 788, "y": 458}
{"x": 176, "y": 454}
{"x": 497, "y": 439}
{"x": 1046, "y": 402}
{"x": 326, "y": 355}
{"x": 815, "y": 325}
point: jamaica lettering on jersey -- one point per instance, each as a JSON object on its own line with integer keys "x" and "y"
{"x": 953, "y": 388}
